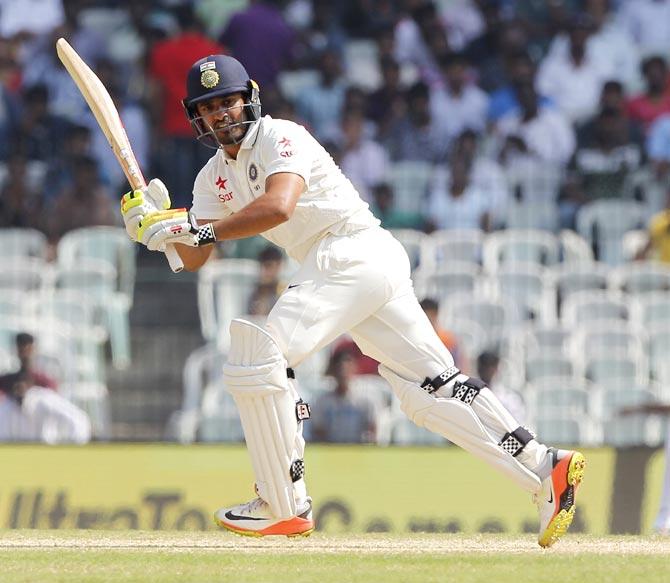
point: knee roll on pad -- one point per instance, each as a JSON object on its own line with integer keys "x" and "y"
{"x": 256, "y": 377}
{"x": 457, "y": 419}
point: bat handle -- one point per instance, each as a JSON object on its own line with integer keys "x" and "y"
{"x": 173, "y": 258}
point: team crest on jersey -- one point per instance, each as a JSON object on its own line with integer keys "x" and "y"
{"x": 209, "y": 79}
{"x": 253, "y": 172}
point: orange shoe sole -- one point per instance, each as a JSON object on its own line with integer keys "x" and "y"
{"x": 293, "y": 527}
{"x": 568, "y": 473}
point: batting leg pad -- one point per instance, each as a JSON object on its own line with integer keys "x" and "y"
{"x": 456, "y": 419}
{"x": 256, "y": 376}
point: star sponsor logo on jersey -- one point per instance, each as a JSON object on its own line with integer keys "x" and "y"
{"x": 223, "y": 195}
{"x": 285, "y": 145}
{"x": 253, "y": 172}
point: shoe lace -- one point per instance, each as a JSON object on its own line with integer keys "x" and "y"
{"x": 253, "y": 505}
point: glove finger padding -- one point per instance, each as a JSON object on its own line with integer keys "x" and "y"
{"x": 137, "y": 204}
{"x": 158, "y": 194}
{"x": 163, "y": 227}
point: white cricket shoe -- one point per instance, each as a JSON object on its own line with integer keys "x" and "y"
{"x": 255, "y": 519}
{"x": 556, "y": 499}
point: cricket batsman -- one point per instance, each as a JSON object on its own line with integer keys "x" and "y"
{"x": 271, "y": 177}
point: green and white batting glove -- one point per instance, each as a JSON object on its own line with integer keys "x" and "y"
{"x": 163, "y": 228}
{"x": 137, "y": 204}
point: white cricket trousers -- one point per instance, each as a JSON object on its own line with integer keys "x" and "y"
{"x": 358, "y": 283}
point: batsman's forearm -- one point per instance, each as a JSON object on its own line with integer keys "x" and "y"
{"x": 259, "y": 216}
{"x": 193, "y": 257}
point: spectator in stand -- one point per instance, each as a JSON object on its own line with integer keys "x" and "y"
{"x": 573, "y": 78}
{"x": 30, "y": 19}
{"x": 33, "y": 413}
{"x": 658, "y": 147}
{"x": 386, "y": 104}
{"x": 457, "y": 102}
{"x": 83, "y": 203}
{"x": 486, "y": 175}
{"x": 520, "y": 70}
{"x": 324, "y": 33}
{"x": 540, "y": 132}
{"x": 169, "y": 62}
{"x": 28, "y": 370}
{"x": 9, "y": 107}
{"x": 339, "y": 416}
{"x": 39, "y": 132}
{"x": 658, "y": 232}
{"x": 492, "y": 51}
{"x": 431, "y": 308}
{"x": 321, "y": 106}
{"x": 461, "y": 205}
{"x": 612, "y": 43}
{"x": 363, "y": 160}
{"x": 269, "y": 284}
{"x": 545, "y": 20}
{"x": 648, "y": 22}
{"x": 605, "y": 161}
{"x": 21, "y": 203}
{"x": 391, "y": 218}
{"x": 488, "y": 369}
{"x": 76, "y": 142}
{"x": 260, "y": 37}
{"x": 609, "y": 45}
{"x": 655, "y": 101}
{"x": 417, "y": 135}
{"x": 612, "y": 98}
{"x": 416, "y": 34}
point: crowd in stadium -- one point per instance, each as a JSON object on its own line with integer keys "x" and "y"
{"x": 477, "y": 115}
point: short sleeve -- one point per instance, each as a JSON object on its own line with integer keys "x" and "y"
{"x": 206, "y": 203}
{"x": 286, "y": 148}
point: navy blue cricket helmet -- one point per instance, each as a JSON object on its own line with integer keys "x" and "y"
{"x": 217, "y": 76}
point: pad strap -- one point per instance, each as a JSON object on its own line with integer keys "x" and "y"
{"x": 297, "y": 470}
{"x": 513, "y": 442}
{"x": 466, "y": 391}
{"x": 431, "y": 386}
{"x": 302, "y": 410}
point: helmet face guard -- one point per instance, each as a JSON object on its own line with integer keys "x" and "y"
{"x": 218, "y": 76}
{"x": 207, "y": 135}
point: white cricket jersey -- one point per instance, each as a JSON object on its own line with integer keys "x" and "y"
{"x": 330, "y": 203}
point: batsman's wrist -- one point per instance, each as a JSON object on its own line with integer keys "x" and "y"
{"x": 205, "y": 235}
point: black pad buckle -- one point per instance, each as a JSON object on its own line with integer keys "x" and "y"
{"x": 297, "y": 470}
{"x": 439, "y": 381}
{"x": 290, "y": 373}
{"x": 302, "y": 410}
{"x": 513, "y": 442}
{"x": 468, "y": 390}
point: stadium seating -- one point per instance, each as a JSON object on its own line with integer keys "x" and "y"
{"x": 511, "y": 246}
{"x": 443, "y": 246}
{"x": 604, "y": 222}
{"x": 224, "y": 289}
{"x": 412, "y": 240}
{"x": 22, "y": 242}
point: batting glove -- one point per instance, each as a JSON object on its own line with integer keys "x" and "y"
{"x": 162, "y": 228}
{"x": 138, "y": 204}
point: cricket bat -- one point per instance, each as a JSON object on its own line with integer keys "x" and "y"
{"x": 102, "y": 106}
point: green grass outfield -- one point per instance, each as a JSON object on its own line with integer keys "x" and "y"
{"x": 37, "y": 556}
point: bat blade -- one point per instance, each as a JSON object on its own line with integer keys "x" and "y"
{"x": 101, "y": 105}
